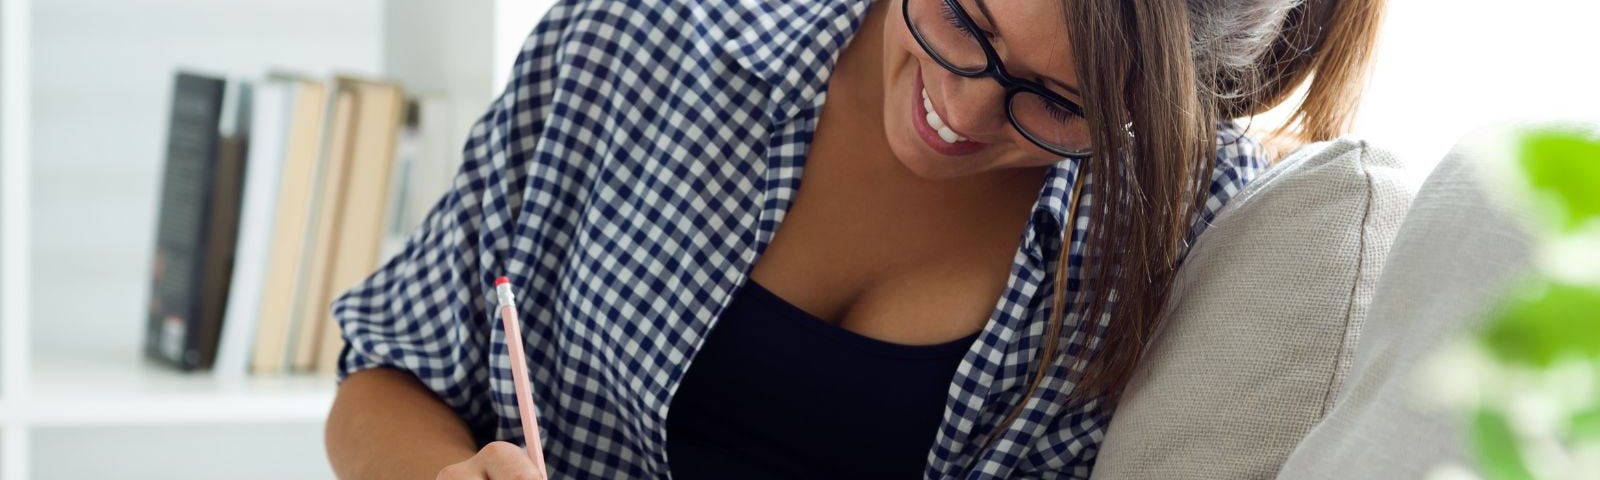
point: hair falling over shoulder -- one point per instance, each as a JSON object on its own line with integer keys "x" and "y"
{"x": 1170, "y": 72}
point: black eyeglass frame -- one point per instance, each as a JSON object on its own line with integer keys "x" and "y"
{"x": 994, "y": 69}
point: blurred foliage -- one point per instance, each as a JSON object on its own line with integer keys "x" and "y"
{"x": 1546, "y": 321}
{"x": 1565, "y": 166}
{"x": 1586, "y": 424}
{"x": 1497, "y": 447}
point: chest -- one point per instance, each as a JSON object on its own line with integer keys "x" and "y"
{"x": 885, "y": 260}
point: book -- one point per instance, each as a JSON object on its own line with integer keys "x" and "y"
{"x": 352, "y": 203}
{"x": 327, "y": 192}
{"x": 293, "y": 215}
{"x": 197, "y": 220}
{"x": 367, "y": 199}
{"x": 271, "y": 109}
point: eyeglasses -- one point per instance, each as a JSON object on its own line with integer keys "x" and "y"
{"x": 948, "y": 34}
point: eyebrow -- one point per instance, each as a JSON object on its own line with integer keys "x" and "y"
{"x": 1069, "y": 88}
{"x": 983, "y": 7}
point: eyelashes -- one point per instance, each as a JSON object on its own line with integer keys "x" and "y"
{"x": 950, "y": 17}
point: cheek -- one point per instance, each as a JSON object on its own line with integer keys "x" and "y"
{"x": 901, "y": 50}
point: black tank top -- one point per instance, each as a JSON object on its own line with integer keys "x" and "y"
{"x": 775, "y": 392}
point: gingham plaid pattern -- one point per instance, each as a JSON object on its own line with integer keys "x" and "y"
{"x": 639, "y": 161}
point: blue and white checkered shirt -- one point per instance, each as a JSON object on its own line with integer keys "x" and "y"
{"x": 637, "y": 164}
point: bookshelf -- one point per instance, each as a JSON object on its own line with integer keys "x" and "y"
{"x": 14, "y": 218}
{"x": 74, "y": 383}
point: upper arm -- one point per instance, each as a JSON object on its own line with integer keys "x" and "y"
{"x": 426, "y": 310}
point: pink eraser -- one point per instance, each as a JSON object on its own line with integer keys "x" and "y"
{"x": 501, "y": 280}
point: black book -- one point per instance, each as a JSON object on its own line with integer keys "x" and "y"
{"x": 198, "y": 219}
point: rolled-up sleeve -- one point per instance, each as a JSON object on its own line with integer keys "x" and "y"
{"x": 422, "y": 312}
{"x": 427, "y": 310}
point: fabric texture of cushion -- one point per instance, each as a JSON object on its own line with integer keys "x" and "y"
{"x": 1452, "y": 261}
{"x": 1263, "y": 320}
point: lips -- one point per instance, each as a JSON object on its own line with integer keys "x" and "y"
{"x": 934, "y": 131}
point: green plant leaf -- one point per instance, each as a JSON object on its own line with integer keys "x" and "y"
{"x": 1565, "y": 165}
{"x": 1585, "y": 425}
{"x": 1542, "y": 322}
{"x": 1496, "y": 446}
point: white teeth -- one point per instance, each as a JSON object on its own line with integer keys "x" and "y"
{"x": 937, "y": 123}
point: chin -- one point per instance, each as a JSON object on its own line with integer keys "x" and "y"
{"x": 928, "y": 165}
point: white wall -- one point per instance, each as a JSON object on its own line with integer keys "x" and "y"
{"x": 102, "y": 80}
{"x": 1444, "y": 68}
{"x": 514, "y": 19}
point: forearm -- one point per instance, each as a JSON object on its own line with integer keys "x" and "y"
{"x": 386, "y": 424}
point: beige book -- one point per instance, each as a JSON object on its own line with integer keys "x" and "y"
{"x": 329, "y": 204}
{"x": 292, "y": 216}
{"x": 370, "y": 160}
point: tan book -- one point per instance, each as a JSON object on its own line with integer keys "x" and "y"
{"x": 355, "y": 245}
{"x": 292, "y": 217}
{"x": 327, "y": 205}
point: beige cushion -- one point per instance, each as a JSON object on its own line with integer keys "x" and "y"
{"x": 1262, "y": 320}
{"x": 1452, "y": 261}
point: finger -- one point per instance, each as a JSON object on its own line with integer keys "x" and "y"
{"x": 468, "y": 470}
{"x": 507, "y": 461}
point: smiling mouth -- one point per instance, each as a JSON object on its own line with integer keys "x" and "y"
{"x": 934, "y": 131}
{"x": 944, "y": 131}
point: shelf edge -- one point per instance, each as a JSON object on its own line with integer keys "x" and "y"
{"x": 174, "y": 409}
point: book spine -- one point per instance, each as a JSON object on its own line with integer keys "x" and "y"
{"x": 181, "y": 233}
{"x": 270, "y": 104}
{"x": 294, "y": 216}
{"x": 221, "y": 247}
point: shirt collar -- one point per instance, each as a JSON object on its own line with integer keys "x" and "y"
{"x": 1048, "y": 222}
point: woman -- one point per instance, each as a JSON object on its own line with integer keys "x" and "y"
{"x": 980, "y": 178}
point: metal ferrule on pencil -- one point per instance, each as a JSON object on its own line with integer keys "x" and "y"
{"x": 504, "y": 292}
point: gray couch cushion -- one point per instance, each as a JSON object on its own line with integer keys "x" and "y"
{"x": 1451, "y": 261}
{"x": 1262, "y": 320}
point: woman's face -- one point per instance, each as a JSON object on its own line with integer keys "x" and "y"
{"x": 1030, "y": 37}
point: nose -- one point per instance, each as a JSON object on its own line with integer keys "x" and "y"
{"x": 973, "y": 107}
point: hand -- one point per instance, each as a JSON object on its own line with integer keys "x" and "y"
{"x": 497, "y": 461}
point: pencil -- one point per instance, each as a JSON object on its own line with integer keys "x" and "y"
{"x": 519, "y": 370}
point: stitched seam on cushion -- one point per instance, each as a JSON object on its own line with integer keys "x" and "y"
{"x": 1335, "y": 380}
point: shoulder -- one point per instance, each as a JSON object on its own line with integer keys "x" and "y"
{"x": 629, "y": 27}
{"x": 756, "y": 33}
{"x": 1239, "y": 160}
{"x": 631, "y": 51}
{"x": 595, "y": 34}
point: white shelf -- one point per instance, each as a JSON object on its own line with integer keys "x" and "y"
{"x": 15, "y": 156}
{"x": 16, "y": 138}
{"x": 125, "y": 389}
{"x": 15, "y": 152}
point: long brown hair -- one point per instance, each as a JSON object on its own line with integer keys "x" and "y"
{"x": 1169, "y": 72}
